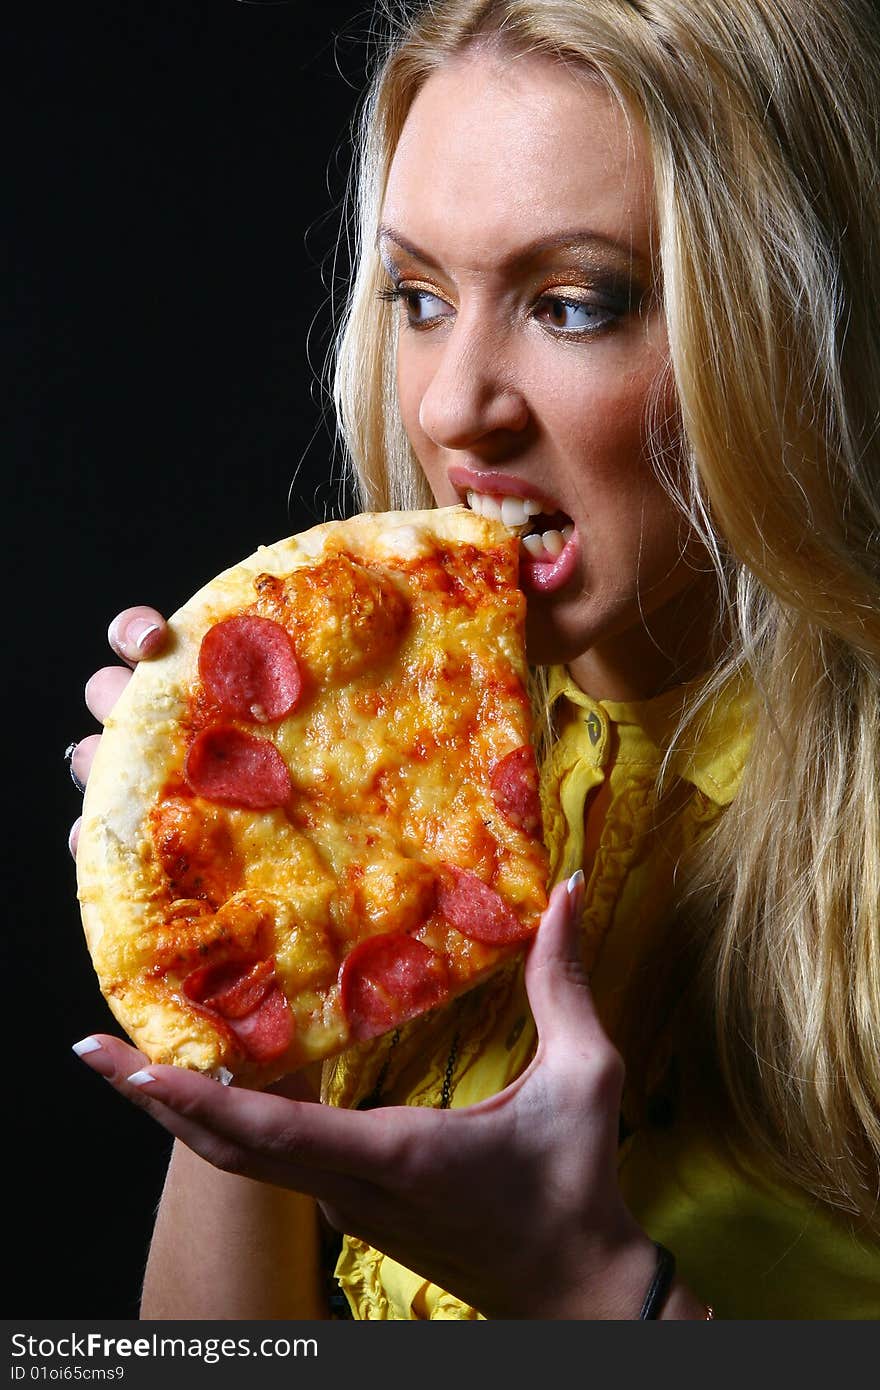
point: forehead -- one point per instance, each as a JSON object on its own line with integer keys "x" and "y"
{"x": 496, "y": 152}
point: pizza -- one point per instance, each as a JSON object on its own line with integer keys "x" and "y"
{"x": 315, "y": 815}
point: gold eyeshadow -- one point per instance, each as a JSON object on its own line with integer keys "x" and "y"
{"x": 602, "y": 266}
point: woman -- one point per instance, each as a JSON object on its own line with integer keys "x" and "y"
{"x": 633, "y": 249}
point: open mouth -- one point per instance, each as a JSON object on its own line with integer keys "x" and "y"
{"x": 544, "y": 535}
{"x": 549, "y": 545}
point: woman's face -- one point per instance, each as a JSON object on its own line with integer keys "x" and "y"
{"x": 517, "y": 227}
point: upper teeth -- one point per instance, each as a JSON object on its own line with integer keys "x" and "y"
{"x": 515, "y": 513}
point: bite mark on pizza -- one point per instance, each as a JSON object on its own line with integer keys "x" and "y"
{"x": 315, "y": 816}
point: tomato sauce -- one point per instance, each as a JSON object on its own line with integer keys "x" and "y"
{"x": 196, "y": 849}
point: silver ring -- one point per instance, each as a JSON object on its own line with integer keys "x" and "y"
{"x": 68, "y": 756}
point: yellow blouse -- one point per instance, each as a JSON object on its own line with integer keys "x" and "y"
{"x": 749, "y": 1248}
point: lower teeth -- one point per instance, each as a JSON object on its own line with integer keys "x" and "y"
{"x": 547, "y": 545}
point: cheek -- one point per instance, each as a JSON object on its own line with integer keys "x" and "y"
{"x": 602, "y": 432}
{"x": 604, "y": 423}
{"x": 632, "y": 527}
{"x": 413, "y": 380}
{"x": 409, "y": 396}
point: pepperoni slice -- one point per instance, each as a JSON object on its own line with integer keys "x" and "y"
{"x": 234, "y": 768}
{"x": 388, "y": 979}
{"x": 250, "y": 1002}
{"x": 230, "y": 988}
{"x": 476, "y": 909}
{"x": 514, "y": 787}
{"x": 267, "y": 1032}
{"x": 249, "y": 667}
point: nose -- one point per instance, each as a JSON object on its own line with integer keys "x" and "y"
{"x": 472, "y": 396}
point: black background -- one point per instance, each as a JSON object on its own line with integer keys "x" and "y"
{"x": 175, "y": 177}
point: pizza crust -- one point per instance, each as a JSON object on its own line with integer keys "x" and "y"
{"x": 144, "y": 738}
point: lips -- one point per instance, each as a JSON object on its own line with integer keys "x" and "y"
{"x": 549, "y": 544}
{"x": 546, "y": 576}
{"x": 495, "y": 484}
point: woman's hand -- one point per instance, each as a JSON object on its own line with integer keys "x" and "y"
{"x": 134, "y": 634}
{"x": 511, "y": 1204}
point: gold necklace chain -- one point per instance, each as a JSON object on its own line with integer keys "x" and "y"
{"x": 374, "y": 1098}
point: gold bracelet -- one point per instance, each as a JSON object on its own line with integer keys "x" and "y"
{"x": 710, "y": 1313}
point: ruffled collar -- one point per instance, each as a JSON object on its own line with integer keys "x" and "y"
{"x": 712, "y": 754}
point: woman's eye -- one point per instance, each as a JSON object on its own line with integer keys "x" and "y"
{"x": 422, "y": 307}
{"x": 571, "y": 315}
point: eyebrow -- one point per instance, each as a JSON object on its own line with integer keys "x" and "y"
{"x": 565, "y": 241}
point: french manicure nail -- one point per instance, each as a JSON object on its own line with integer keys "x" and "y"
{"x": 575, "y": 889}
{"x": 87, "y": 1045}
{"x": 69, "y": 752}
{"x": 141, "y": 638}
{"x": 140, "y": 1078}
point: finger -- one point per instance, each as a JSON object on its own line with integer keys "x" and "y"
{"x": 73, "y": 836}
{"x": 558, "y": 988}
{"x": 125, "y": 1068}
{"x": 278, "y": 1130}
{"x": 137, "y": 633}
{"x": 82, "y": 755}
{"x": 104, "y": 688}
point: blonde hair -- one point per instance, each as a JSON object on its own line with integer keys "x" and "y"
{"x": 762, "y": 121}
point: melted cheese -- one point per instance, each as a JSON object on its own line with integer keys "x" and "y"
{"x": 414, "y": 686}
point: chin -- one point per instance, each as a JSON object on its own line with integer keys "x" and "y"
{"x": 547, "y": 643}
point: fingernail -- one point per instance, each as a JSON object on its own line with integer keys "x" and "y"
{"x": 73, "y": 837}
{"x": 575, "y": 889}
{"x": 68, "y": 754}
{"x": 141, "y": 1078}
{"x": 87, "y": 1045}
{"x": 139, "y": 633}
